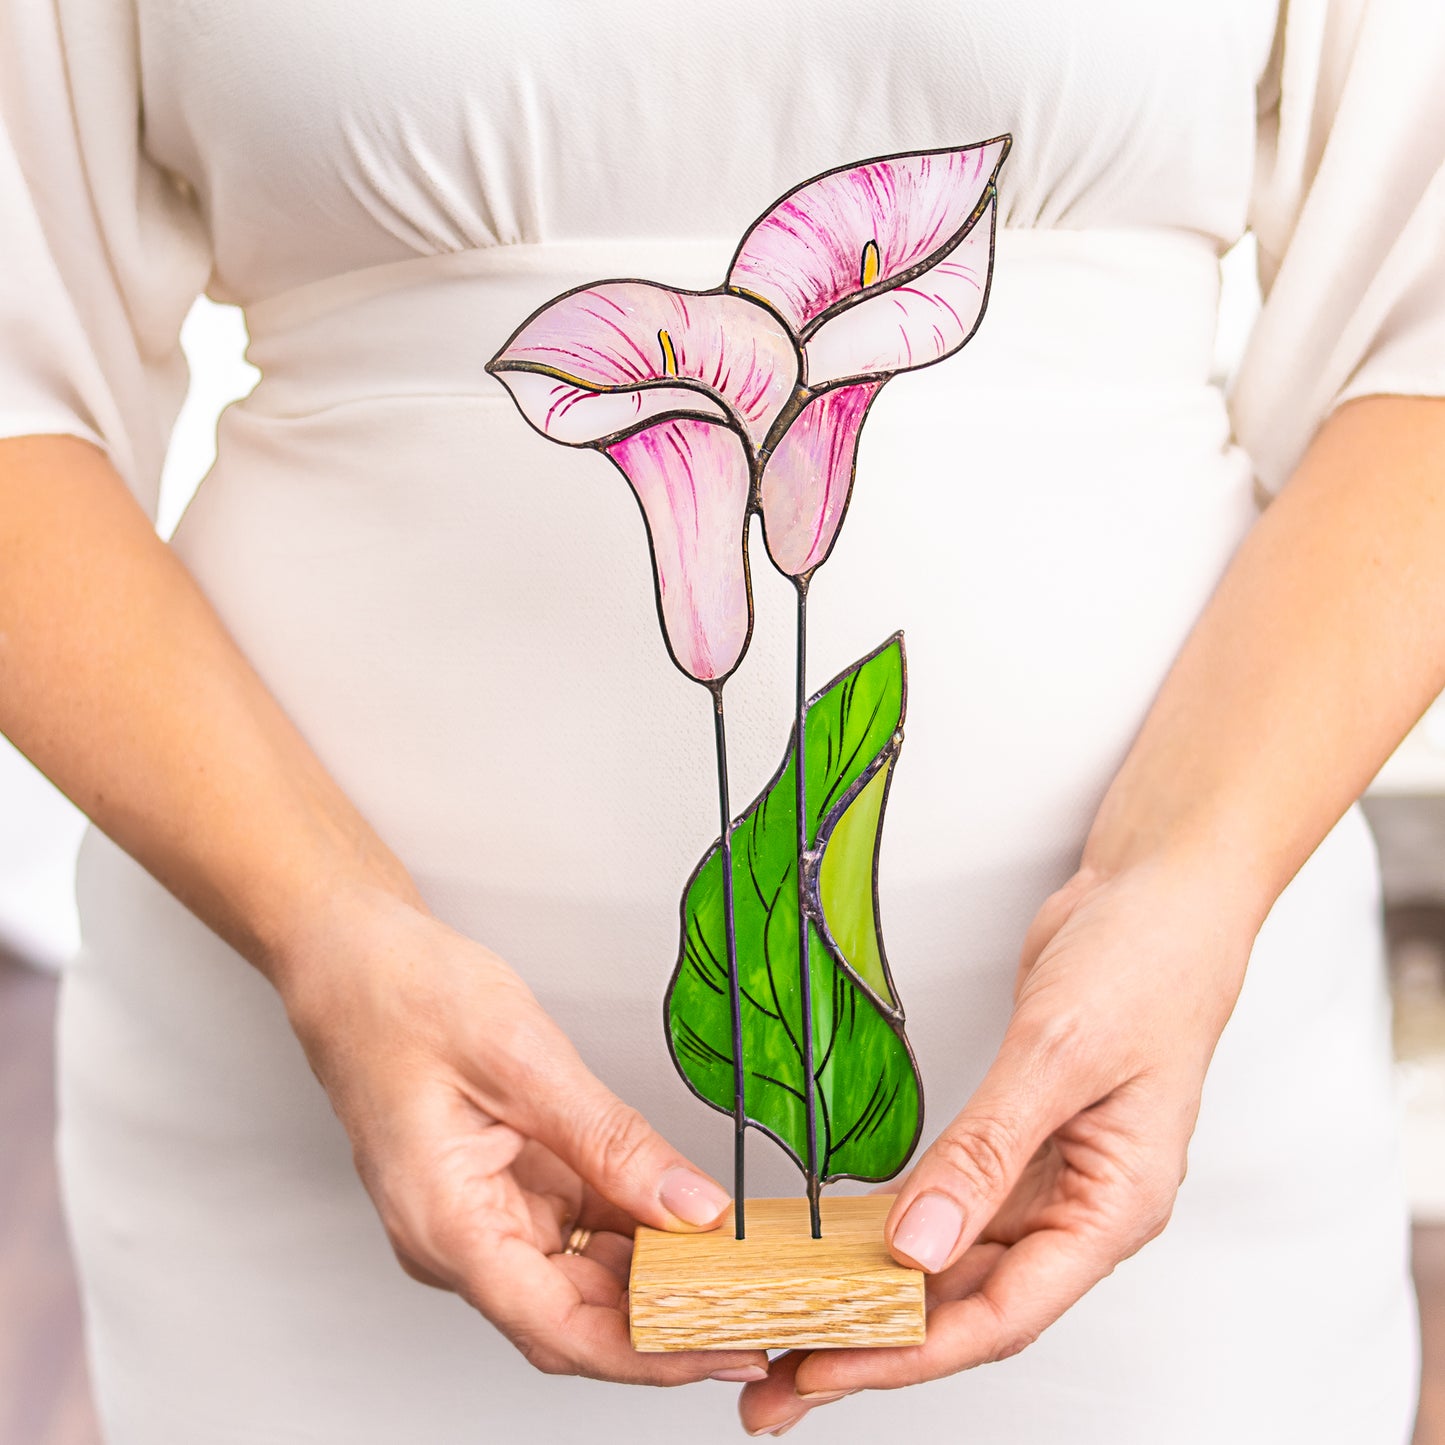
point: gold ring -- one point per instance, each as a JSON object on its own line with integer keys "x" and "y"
{"x": 577, "y": 1240}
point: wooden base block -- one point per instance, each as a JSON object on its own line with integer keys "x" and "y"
{"x": 779, "y": 1288}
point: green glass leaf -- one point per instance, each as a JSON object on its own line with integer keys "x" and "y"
{"x": 869, "y": 1104}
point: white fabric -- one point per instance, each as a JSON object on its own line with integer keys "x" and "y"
{"x": 1349, "y": 212}
{"x": 40, "y": 834}
{"x": 457, "y": 614}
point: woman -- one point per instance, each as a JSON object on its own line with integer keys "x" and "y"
{"x": 392, "y": 709}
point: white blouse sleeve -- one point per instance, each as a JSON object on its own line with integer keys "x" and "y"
{"x": 101, "y": 251}
{"x": 1349, "y": 213}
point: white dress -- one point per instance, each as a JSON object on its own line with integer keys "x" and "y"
{"x": 458, "y": 616}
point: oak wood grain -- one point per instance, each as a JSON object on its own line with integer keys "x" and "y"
{"x": 779, "y": 1288}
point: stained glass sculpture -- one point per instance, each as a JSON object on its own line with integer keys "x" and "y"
{"x": 749, "y": 398}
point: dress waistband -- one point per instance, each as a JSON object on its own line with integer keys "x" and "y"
{"x": 1091, "y": 310}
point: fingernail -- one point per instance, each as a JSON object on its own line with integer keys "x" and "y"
{"x": 743, "y": 1375}
{"x": 783, "y": 1429}
{"x": 824, "y": 1397}
{"x": 929, "y": 1231}
{"x": 689, "y": 1196}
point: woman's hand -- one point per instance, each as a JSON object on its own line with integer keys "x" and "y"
{"x": 1068, "y": 1157}
{"x": 483, "y": 1139}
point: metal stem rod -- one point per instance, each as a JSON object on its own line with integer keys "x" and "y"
{"x": 805, "y": 978}
{"x": 740, "y": 1117}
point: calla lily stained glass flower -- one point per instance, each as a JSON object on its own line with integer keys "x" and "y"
{"x": 752, "y": 395}
{"x": 875, "y": 269}
{"x": 679, "y": 389}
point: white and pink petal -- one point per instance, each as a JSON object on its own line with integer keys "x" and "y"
{"x": 621, "y": 338}
{"x": 862, "y": 226}
{"x": 913, "y": 324}
{"x": 567, "y": 412}
{"x": 693, "y": 481}
{"x": 808, "y": 478}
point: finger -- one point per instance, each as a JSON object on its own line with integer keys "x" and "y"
{"x": 965, "y": 1176}
{"x": 539, "y": 1171}
{"x": 419, "y": 1272}
{"x": 541, "y": 1309}
{"x": 552, "y": 1217}
{"x": 612, "y": 1251}
{"x": 1032, "y": 1284}
{"x": 602, "y": 1335}
{"x": 616, "y": 1151}
{"x": 596, "y": 1284}
{"x": 965, "y": 1276}
{"x": 601, "y": 1214}
{"x": 773, "y": 1403}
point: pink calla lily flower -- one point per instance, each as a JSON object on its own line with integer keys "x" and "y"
{"x": 751, "y": 396}
{"x": 876, "y": 268}
{"x": 679, "y": 389}
{"x": 859, "y": 258}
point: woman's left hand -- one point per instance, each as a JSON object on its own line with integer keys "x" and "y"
{"x": 1068, "y": 1157}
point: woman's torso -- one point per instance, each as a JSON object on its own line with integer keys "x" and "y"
{"x": 459, "y": 614}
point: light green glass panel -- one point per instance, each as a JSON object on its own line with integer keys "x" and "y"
{"x": 845, "y": 884}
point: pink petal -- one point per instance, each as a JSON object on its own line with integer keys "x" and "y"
{"x": 806, "y": 254}
{"x": 692, "y": 479}
{"x": 807, "y": 480}
{"x": 927, "y": 318}
{"x": 606, "y": 343}
{"x": 569, "y": 413}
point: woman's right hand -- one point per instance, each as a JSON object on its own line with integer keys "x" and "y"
{"x": 483, "y": 1139}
